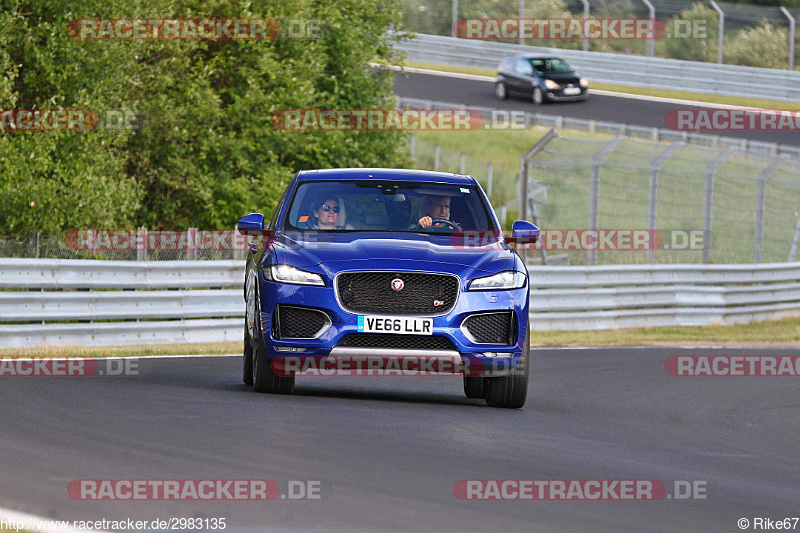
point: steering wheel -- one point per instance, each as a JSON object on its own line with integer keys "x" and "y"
{"x": 444, "y": 222}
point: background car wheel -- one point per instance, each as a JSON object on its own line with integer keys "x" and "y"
{"x": 473, "y": 387}
{"x": 511, "y": 391}
{"x": 264, "y": 380}
{"x": 247, "y": 363}
{"x": 500, "y": 90}
{"x": 538, "y": 96}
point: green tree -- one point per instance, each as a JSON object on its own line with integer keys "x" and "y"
{"x": 694, "y": 48}
{"x": 208, "y": 152}
{"x": 762, "y": 46}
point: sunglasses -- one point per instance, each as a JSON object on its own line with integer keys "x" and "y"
{"x": 327, "y": 208}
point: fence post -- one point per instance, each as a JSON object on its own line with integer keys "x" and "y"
{"x": 721, "y": 29}
{"x": 585, "y": 18}
{"x": 795, "y": 241}
{"x": 523, "y": 171}
{"x": 594, "y": 195}
{"x": 455, "y": 18}
{"x": 413, "y": 147}
{"x": 652, "y": 196}
{"x": 191, "y": 249}
{"x": 141, "y": 252}
{"x": 708, "y": 201}
{"x": 489, "y": 171}
{"x": 650, "y": 44}
{"x": 791, "y": 36}
{"x": 436, "y": 155}
{"x": 758, "y": 243}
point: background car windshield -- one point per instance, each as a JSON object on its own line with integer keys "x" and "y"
{"x": 386, "y": 206}
{"x": 551, "y": 66}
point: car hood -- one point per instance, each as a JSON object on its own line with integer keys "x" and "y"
{"x": 571, "y": 77}
{"x": 335, "y": 252}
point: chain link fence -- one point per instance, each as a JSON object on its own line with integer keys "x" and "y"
{"x": 128, "y": 245}
{"x": 703, "y": 205}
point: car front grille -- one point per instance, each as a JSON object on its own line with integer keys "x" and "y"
{"x": 492, "y": 328}
{"x": 396, "y": 342}
{"x": 422, "y": 294}
{"x": 299, "y": 322}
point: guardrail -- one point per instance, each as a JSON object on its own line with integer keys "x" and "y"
{"x": 618, "y": 128}
{"x": 729, "y": 80}
{"x": 119, "y": 302}
{"x": 625, "y": 296}
{"x": 562, "y": 298}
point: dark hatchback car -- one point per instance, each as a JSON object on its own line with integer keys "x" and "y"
{"x": 541, "y": 78}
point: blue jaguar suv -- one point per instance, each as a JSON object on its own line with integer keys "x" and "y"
{"x": 387, "y": 265}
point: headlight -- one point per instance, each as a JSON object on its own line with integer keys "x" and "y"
{"x": 584, "y": 82}
{"x": 550, "y": 84}
{"x": 502, "y": 280}
{"x": 290, "y": 274}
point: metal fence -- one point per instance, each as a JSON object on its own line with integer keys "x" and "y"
{"x": 718, "y": 32}
{"x": 668, "y": 74}
{"x": 141, "y": 244}
{"x": 710, "y": 205}
{"x": 102, "y": 303}
{"x": 85, "y": 302}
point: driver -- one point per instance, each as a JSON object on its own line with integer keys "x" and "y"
{"x": 435, "y": 207}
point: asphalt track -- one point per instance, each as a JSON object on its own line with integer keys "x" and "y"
{"x": 597, "y": 107}
{"x": 389, "y": 450}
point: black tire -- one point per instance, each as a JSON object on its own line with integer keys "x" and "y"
{"x": 538, "y": 97}
{"x": 473, "y": 387}
{"x": 510, "y": 392}
{"x": 264, "y": 380}
{"x": 500, "y": 90}
{"x": 247, "y": 359}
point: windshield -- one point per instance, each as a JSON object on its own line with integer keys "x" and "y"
{"x": 551, "y": 66}
{"x": 387, "y": 206}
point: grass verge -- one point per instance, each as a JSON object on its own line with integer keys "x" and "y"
{"x": 783, "y": 332}
{"x": 643, "y": 91}
{"x": 139, "y": 350}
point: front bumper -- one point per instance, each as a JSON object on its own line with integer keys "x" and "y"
{"x": 488, "y": 359}
{"x": 557, "y": 95}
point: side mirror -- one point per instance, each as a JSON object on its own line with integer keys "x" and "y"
{"x": 252, "y": 224}
{"x": 524, "y": 232}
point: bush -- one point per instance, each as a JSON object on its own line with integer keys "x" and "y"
{"x": 763, "y": 46}
{"x": 693, "y": 48}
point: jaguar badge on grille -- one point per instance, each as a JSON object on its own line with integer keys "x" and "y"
{"x": 437, "y": 303}
{"x": 397, "y": 284}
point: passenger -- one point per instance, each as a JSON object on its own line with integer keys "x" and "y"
{"x": 327, "y": 214}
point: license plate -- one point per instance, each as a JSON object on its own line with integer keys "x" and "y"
{"x": 395, "y": 324}
{"x": 569, "y": 91}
